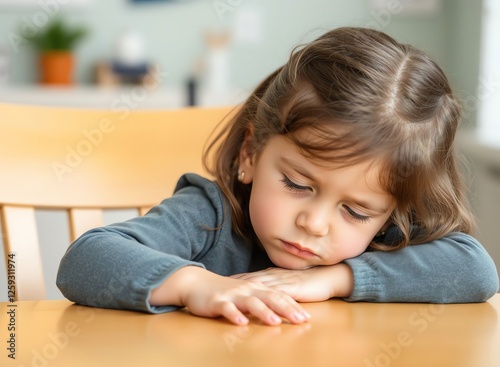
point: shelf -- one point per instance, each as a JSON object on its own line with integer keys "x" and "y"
{"x": 133, "y": 97}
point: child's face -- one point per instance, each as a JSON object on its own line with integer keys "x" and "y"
{"x": 306, "y": 214}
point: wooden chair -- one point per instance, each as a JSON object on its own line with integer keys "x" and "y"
{"x": 84, "y": 161}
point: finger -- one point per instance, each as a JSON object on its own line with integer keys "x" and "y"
{"x": 286, "y": 306}
{"x": 238, "y": 276}
{"x": 256, "y": 274}
{"x": 256, "y": 278}
{"x": 259, "y": 309}
{"x": 232, "y": 313}
{"x": 247, "y": 276}
{"x": 289, "y": 286}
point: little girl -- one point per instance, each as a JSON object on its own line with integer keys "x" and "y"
{"x": 336, "y": 178}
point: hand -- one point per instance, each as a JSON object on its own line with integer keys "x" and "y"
{"x": 210, "y": 295}
{"x": 309, "y": 285}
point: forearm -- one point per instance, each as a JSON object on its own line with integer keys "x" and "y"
{"x": 338, "y": 279}
{"x": 453, "y": 269}
{"x": 173, "y": 290}
{"x": 106, "y": 270}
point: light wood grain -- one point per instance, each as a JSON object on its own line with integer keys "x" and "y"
{"x": 339, "y": 334}
{"x": 56, "y": 157}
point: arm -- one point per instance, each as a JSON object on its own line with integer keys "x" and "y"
{"x": 452, "y": 269}
{"x": 117, "y": 266}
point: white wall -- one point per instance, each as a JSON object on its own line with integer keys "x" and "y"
{"x": 173, "y": 32}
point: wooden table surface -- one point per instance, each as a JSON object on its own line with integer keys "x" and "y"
{"x": 59, "y": 333}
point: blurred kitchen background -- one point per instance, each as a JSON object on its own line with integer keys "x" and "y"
{"x": 240, "y": 41}
{"x": 155, "y": 54}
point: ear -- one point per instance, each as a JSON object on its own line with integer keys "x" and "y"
{"x": 247, "y": 161}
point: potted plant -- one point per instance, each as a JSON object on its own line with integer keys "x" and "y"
{"x": 55, "y": 44}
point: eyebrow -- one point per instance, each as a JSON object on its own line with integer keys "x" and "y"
{"x": 299, "y": 169}
{"x": 362, "y": 203}
{"x": 366, "y": 205}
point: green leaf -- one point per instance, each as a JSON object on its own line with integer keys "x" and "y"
{"x": 57, "y": 37}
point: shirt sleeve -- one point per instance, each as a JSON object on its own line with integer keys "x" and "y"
{"x": 452, "y": 269}
{"x": 117, "y": 266}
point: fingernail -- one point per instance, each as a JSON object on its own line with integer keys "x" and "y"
{"x": 306, "y": 314}
{"x": 275, "y": 319}
{"x": 298, "y": 316}
{"x": 242, "y": 320}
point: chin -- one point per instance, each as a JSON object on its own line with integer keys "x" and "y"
{"x": 291, "y": 265}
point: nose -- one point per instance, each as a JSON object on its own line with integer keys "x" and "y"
{"x": 315, "y": 219}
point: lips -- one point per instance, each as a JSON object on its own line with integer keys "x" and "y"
{"x": 298, "y": 250}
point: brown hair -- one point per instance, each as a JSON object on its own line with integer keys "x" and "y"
{"x": 361, "y": 94}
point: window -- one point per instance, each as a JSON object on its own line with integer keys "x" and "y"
{"x": 488, "y": 92}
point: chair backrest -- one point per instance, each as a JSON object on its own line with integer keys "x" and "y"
{"x": 84, "y": 161}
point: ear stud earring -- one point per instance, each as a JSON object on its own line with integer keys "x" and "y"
{"x": 241, "y": 176}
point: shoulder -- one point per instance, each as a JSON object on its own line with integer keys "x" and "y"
{"x": 202, "y": 184}
{"x": 193, "y": 184}
{"x": 198, "y": 196}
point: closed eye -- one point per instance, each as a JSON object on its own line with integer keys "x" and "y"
{"x": 356, "y": 216}
{"x": 292, "y": 186}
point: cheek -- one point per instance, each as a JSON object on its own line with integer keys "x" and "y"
{"x": 358, "y": 246}
{"x": 352, "y": 242}
{"x": 360, "y": 239}
{"x": 268, "y": 209}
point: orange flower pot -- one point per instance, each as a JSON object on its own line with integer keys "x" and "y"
{"x": 57, "y": 67}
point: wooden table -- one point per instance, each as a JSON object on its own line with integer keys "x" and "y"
{"x": 59, "y": 333}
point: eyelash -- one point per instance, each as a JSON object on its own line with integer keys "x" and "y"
{"x": 293, "y": 187}
{"x": 355, "y": 216}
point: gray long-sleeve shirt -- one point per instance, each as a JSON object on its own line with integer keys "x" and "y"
{"x": 117, "y": 266}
